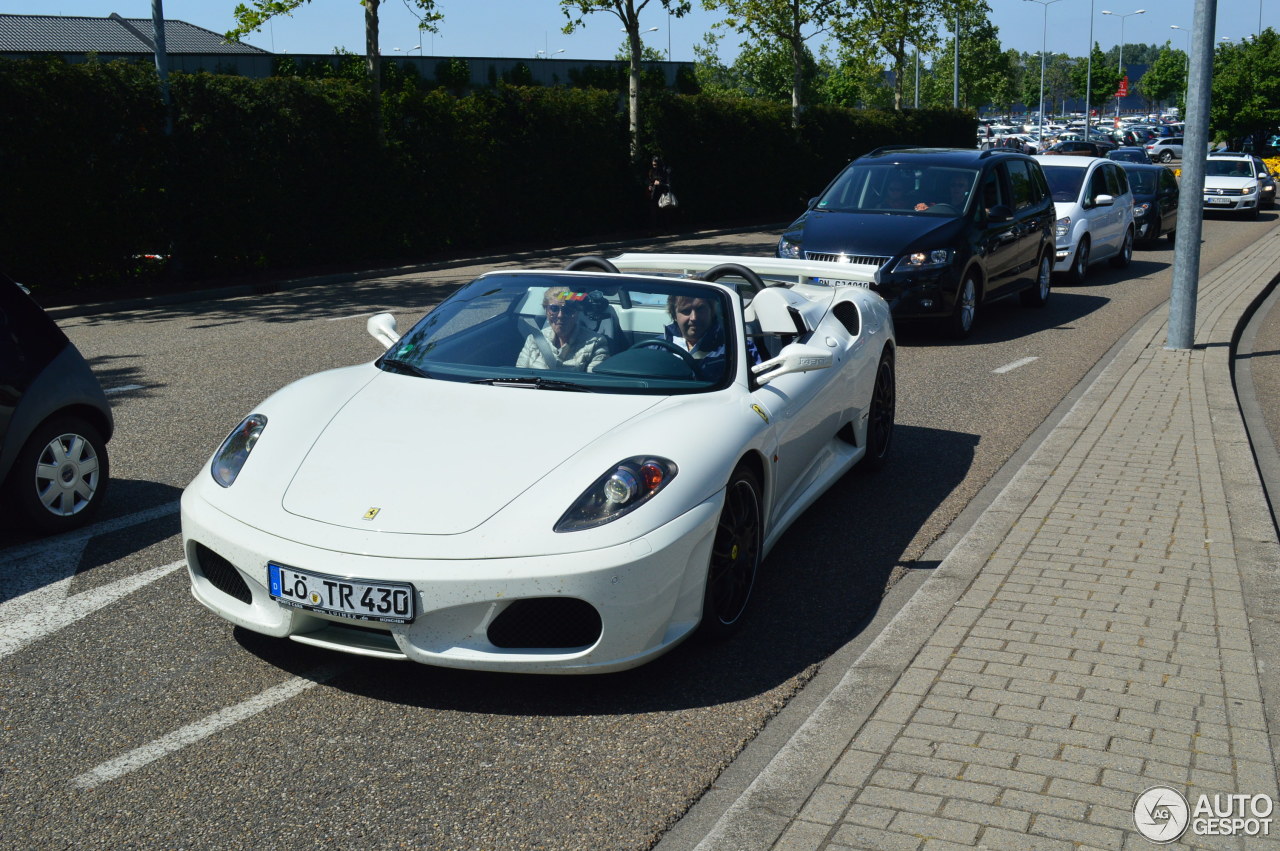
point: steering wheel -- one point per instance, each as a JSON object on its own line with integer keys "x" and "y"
{"x": 717, "y": 272}
{"x": 943, "y": 207}
{"x": 670, "y": 347}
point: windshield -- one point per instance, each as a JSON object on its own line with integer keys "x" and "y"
{"x": 575, "y": 332}
{"x": 1227, "y": 168}
{"x": 1064, "y": 181}
{"x": 902, "y": 189}
{"x": 1143, "y": 182}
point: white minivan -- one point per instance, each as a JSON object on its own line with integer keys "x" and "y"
{"x": 1094, "y": 208}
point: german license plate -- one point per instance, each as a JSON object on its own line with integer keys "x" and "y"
{"x": 385, "y": 602}
{"x": 1225, "y": 202}
{"x": 832, "y": 282}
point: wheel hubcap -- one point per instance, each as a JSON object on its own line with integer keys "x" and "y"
{"x": 67, "y": 475}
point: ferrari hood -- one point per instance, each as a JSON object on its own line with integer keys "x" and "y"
{"x": 417, "y": 456}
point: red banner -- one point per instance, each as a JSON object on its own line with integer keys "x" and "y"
{"x": 1123, "y": 91}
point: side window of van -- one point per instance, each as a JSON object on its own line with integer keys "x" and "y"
{"x": 1023, "y": 187}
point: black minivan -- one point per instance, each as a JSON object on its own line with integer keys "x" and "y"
{"x": 946, "y": 229}
{"x": 55, "y": 421}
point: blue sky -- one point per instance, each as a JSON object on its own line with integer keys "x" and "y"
{"x": 524, "y": 27}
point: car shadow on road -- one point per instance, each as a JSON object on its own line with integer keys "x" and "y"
{"x": 817, "y": 590}
{"x": 1005, "y": 320}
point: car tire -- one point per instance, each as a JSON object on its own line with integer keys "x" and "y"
{"x": 1080, "y": 263}
{"x": 965, "y": 311}
{"x": 1125, "y": 257}
{"x": 1166, "y": 156}
{"x": 1038, "y": 294}
{"x": 880, "y": 417}
{"x": 735, "y": 556}
{"x": 60, "y": 475}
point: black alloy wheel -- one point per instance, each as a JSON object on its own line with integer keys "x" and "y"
{"x": 735, "y": 556}
{"x": 884, "y": 402}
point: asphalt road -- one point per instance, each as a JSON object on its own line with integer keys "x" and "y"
{"x": 132, "y": 717}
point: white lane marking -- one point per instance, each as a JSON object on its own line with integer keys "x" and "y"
{"x": 192, "y": 733}
{"x": 122, "y": 388}
{"x": 1010, "y": 367}
{"x": 46, "y": 610}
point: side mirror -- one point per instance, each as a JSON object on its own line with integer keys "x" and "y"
{"x": 382, "y": 327}
{"x": 813, "y": 202}
{"x": 796, "y": 357}
{"x": 1104, "y": 201}
{"x": 999, "y": 214}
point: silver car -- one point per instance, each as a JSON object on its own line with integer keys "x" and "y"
{"x": 1164, "y": 150}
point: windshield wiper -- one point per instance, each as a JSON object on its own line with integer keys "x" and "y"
{"x": 534, "y": 382}
{"x": 397, "y": 365}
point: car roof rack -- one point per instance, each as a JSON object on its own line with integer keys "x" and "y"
{"x": 884, "y": 149}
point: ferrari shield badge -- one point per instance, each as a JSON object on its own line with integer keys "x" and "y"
{"x": 371, "y": 513}
{"x": 759, "y": 410}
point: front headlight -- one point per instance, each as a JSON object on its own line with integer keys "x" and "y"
{"x": 920, "y": 260}
{"x": 1140, "y": 210}
{"x": 1250, "y": 189}
{"x": 789, "y": 250}
{"x": 621, "y": 490}
{"x": 235, "y": 450}
{"x": 1062, "y": 227}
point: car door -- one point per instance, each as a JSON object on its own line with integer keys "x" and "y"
{"x": 997, "y": 241}
{"x": 806, "y": 410}
{"x": 1122, "y": 207}
{"x": 1102, "y": 219}
{"x": 1033, "y": 212}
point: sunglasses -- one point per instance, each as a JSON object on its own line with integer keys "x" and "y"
{"x": 557, "y": 309}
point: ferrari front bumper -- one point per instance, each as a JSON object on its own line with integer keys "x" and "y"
{"x": 647, "y": 593}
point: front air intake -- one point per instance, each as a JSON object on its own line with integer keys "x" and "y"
{"x": 221, "y": 574}
{"x": 561, "y": 623}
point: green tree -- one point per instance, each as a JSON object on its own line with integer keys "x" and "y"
{"x": 1246, "y": 88}
{"x": 628, "y": 12}
{"x": 897, "y": 27}
{"x": 1008, "y": 89}
{"x": 1166, "y": 77}
{"x": 1058, "y": 80}
{"x": 983, "y": 67}
{"x": 1105, "y": 76}
{"x": 251, "y": 17}
{"x": 781, "y": 25}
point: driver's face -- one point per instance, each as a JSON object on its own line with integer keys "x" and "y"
{"x": 693, "y": 318}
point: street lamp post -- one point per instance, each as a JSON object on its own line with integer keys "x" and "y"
{"x": 1122, "y": 17}
{"x": 1187, "y": 33}
{"x": 1044, "y": 40}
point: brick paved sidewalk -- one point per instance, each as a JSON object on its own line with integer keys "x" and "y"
{"x": 1087, "y": 640}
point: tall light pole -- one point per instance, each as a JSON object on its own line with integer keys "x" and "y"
{"x": 1044, "y": 41}
{"x": 1088, "y": 81}
{"x": 1122, "y": 17}
{"x": 1187, "y": 33}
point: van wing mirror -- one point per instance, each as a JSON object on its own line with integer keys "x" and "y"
{"x": 382, "y": 327}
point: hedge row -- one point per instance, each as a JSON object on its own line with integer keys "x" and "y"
{"x": 285, "y": 172}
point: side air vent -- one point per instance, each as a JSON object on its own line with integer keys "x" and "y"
{"x": 221, "y": 574}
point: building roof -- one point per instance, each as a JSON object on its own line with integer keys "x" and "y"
{"x": 58, "y": 34}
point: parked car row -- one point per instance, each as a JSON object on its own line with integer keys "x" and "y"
{"x": 945, "y": 231}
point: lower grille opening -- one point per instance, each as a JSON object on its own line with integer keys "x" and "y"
{"x": 546, "y": 622}
{"x": 221, "y": 574}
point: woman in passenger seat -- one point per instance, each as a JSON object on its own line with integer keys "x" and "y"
{"x": 566, "y": 343}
